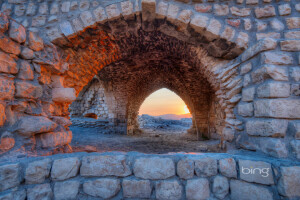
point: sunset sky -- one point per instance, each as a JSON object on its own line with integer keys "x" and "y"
{"x": 162, "y": 102}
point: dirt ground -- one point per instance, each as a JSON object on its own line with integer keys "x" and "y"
{"x": 150, "y": 141}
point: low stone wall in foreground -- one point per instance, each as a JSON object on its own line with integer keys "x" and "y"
{"x": 117, "y": 175}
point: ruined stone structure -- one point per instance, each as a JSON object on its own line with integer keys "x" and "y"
{"x": 234, "y": 63}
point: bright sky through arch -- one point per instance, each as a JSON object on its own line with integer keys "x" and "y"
{"x": 162, "y": 102}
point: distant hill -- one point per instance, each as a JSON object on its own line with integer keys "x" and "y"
{"x": 174, "y": 116}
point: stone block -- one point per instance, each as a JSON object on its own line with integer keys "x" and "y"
{"x": 213, "y": 29}
{"x": 2, "y": 115}
{"x": 293, "y": 22}
{"x": 290, "y": 45}
{"x": 30, "y": 90}
{"x": 277, "y": 108}
{"x": 241, "y": 12}
{"x": 66, "y": 28}
{"x": 295, "y": 144}
{"x": 221, "y": 10}
{"x": 63, "y": 95}
{"x": 273, "y": 90}
{"x": 104, "y": 187}
{"x": 136, "y": 189}
{"x": 65, "y": 168}
{"x": 66, "y": 190}
{"x": 203, "y": 8}
{"x": 295, "y": 73}
{"x": 197, "y": 189}
{"x": 87, "y": 18}
{"x": 162, "y": 10}
{"x": 7, "y": 64}
{"x": 127, "y": 8}
{"x": 288, "y": 184}
{"x": 35, "y": 42}
{"x": 273, "y": 146}
{"x": 172, "y": 12}
{"x": 292, "y": 35}
{"x": 241, "y": 190}
{"x": 31, "y": 125}
{"x": 112, "y": 11}
{"x": 277, "y": 58}
{"x": 42, "y": 191}
{"x": 10, "y": 176}
{"x": 185, "y": 168}
{"x": 27, "y": 53}
{"x": 220, "y": 187}
{"x": 276, "y": 73}
{"x": 284, "y": 9}
{"x": 256, "y": 172}
{"x": 26, "y": 71}
{"x": 277, "y": 25}
{"x": 199, "y": 23}
{"x": 100, "y": 14}
{"x": 245, "y": 109}
{"x": 242, "y": 40}
{"x": 248, "y": 94}
{"x": 266, "y": 11}
{"x": 206, "y": 167}
{"x": 267, "y": 128}
{"x": 53, "y": 139}
{"x": 168, "y": 190}
{"x": 228, "y": 33}
{"x": 104, "y": 166}
{"x": 148, "y": 10}
{"x": 245, "y": 68}
{"x": 227, "y": 167}
{"x": 296, "y": 126}
{"x": 4, "y": 22}
{"x": 37, "y": 171}
{"x": 154, "y": 168}
{"x": 9, "y": 46}
{"x": 7, "y": 87}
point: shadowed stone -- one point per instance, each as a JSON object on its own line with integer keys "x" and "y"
{"x": 9, "y": 176}
{"x": 40, "y": 192}
{"x": 185, "y": 168}
{"x": 65, "y": 168}
{"x": 197, "y": 189}
{"x": 220, "y": 187}
{"x": 37, "y": 171}
{"x": 104, "y": 187}
{"x": 227, "y": 167}
{"x": 168, "y": 190}
{"x": 17, "y": 32}
{"x": 7, "y": 87}
{"x": 66, "y": 190}
{"x": 136, "y": 188}
{"x": 288, "y": 184}
{"x": 206, "y": 167}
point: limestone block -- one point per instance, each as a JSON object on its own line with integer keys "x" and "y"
{"x": 104, "y": 166}
{"x": 295, "y": 144}
{"x": 185, "y": 168}
{"x": 65, "y": 168}
{"x": 127, "y": 8}
{"x": 288, "y": 184}
{"x": 43, "y": 9}
{"x": 203, "y": 8}
{"x": 199, "y": 23}
{"x": 9, "y": 46}
{"x": 162, "y": 10}
{"x": 15, "y": 195}
{"x": 213, "y": 29}
{"x": 148, "y": 10}
{"x": 245, "y": 109}
{"x": 168, "y": 190}
{"x": 66, "y": 190}
{"x": 26, "y": 71}
{"x": 270, "y": 127}
{"x": 277, "y": 58}
{"x": 293, "y": 22}
{"x": 7, "y": 64}
{"x": 273, "y": 90}
{"x": 290, "y": 45}
{"x": 87, "y": 18}
{"x": 227, "y": 167}
{"x": 42, "y": 191}
{"x": 31, "y": 125}
{"x": 7, "y": 87}
{"x": 154, "y": 168}
{"x": 172, "y": 12}
{"x": 284, "y": 9}
{"x": 136, "y": 188}
{"x": 112, "y": 11}
{"x": 9, "y": 176}
{"x": 103, "y": 187}
{"x": 297, "y": 130}
{"x": 256, "y": 172}
{"x": 242, "y": 40}
{"x": 26, "y": 89}
{"x": 269, "y": 72}
{"x": 220, "y": 187}
{"x": 100, "y": 14}
{"x": 248, "y": 94}
{"x": 84, "y": 5}
{"x": 35, "y": 42}
{"x": 277, "y": 25}
{"x": 53, "y": 139}
{"x": 228, "y": 33}
{"x": 241, "y": 12}
{"x": 63, "y": 95}
{"x": 197, "y": 189}
{"x": 273, "y": 146}
{"x": 37, "y": 171}
{"x": 27, "y": 53}
{"x": 241, "y": 190}
{"x": 292, "y": 35}
{"x": 277, "y": 108}
{"x": 266, "y": 11}
{"x": 206, "y": 167}
{"x": 7, "y": 141}
{"x": 61, "y": 121}
{"x": 65, "y": 6}
{"x": 221, "y": 10}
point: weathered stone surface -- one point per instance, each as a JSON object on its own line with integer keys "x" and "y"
{"x": 53, "y": 139}
{"x": 277, "y": 58}
{"x": 61, "y": 121}
{"x": 290, "y": 45}
{"x": 26, "y": 71}
{"x": 220, "y": 187}
{"x": 4, "y": 22}
{"x": 248, "y": 94}
{"x": 87, "y": 18}
{"x": 206, "y": 167}
{"x": 2, "y": 115}
{"x": 277, "y": 108}
{"x": 10, "y": 176}
{"x": 245, "y": 68}
{"x": 37, "y": 171}
{"x": 65, "y": 168}
{"x": 66, "y": 190}
{"x": 227, "y": 167}
{"x": 241, "y": 190}
{"x": 63, "y": 94}
{"x": 266, "y": 11}
{"x": 168, "y": 190}
{"x": 154, "y": 168}
{"x": 245, "y": 109}
{"x": 270, "y": 72}
{"x": 292, "y": 35}
{"x": 295, "y": 144}
{"x": 7, "y": 87}
{"x": 296, "y": 127}
{"x": 15, "y": 195}
{"x": 104, "y": 187}
{"x": 104, "y": 166}
{"x": 30, "y": 125}
{"x": 221, "y": 10}
{"x": 40, "y": 192}
{"x": 274, "y": 147}
{"x": 295, "y": 73}
{"x": 9, "y": 46}
{"x": 185, "y": 168}
{"x": 26, "y": 89}
{"x": 35, "y": 42}
{"x": 7, "y": 64}
{"x": 17, "y": 32}
{"x": 27, "y": 53}
{"x": 241, "y": 12}
{"x": 293, "y": 22}
{"x": 136, "y": 188}
{"x": 197, "y": 189}
{"x": 288, "y": 184}
{"x": 112, "y": 11}
{"x": 256, "y": 172}
{"x": 7, "y": 141}
{"x": 284, "y": 9}
{"x": 148, "y": 9}
{"x": 277, "y": 25}
{"x": 273, "y": 90}
{"x": 271, "y": 127}
{"x": 199, "y": 22}
{"x": 99, "y": 14}
{"x": 66, "y": 28}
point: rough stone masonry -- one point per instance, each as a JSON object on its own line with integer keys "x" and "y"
{"x": 234, "y": 63}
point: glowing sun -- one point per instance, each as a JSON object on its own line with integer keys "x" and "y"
{"x": 186, "y": 110}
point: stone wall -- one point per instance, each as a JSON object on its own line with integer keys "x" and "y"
{"x": 140, "y": 176}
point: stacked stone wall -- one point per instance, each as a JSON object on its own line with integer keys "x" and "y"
{"x": 140, "y": 176}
